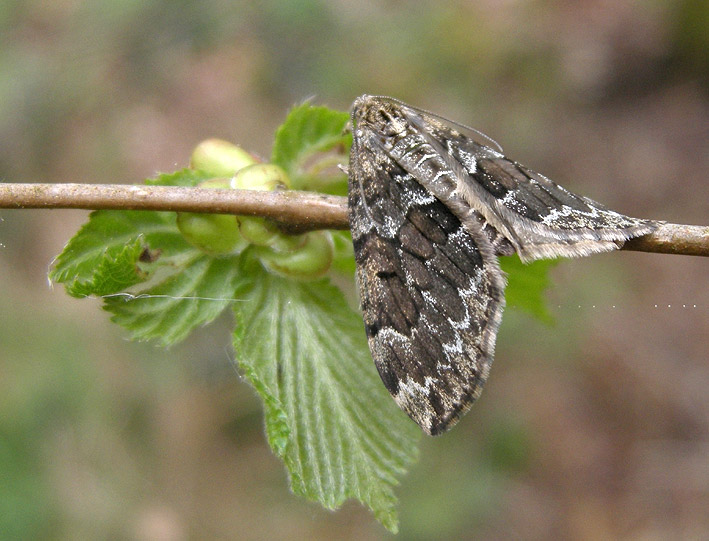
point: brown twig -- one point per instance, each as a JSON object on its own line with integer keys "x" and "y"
{"x": 297, "y": 211}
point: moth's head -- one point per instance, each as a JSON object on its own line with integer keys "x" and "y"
{"x": 379, "y": 114}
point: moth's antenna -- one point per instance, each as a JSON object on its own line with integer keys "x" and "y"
{"x": 444, "y": 119}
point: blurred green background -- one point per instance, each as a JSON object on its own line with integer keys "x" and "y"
{"x": 596, "y": 427}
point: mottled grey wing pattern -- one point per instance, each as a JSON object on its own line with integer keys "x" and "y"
{"x": 430, "y": 208}
{"x": 537, "y": 216}
{"x": 431, "y": 290}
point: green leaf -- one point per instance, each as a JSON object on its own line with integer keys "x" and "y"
{"x": 306, "y": 132}
{"x": 328, "y": 416}
{"x": 170, "y": 309}
{"x": 108, "y": 243}
{"x": 117, "y": 270}
{"x": 526, "y": 285}
{"x": 175, "y": 287}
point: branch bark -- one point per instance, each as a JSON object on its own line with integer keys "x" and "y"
{"x": 295, "y": 211}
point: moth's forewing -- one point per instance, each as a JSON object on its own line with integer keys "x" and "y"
{"x": 431, "y": 289}
{"x": 536, "y": 215}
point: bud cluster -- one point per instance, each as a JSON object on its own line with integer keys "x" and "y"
{"x": 306, "y": 256}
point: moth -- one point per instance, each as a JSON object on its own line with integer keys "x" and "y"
{"x": 430, "y": 210}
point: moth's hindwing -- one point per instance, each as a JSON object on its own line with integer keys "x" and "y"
{"x": 431, "y": 289}
{"x": 537, "y": 216}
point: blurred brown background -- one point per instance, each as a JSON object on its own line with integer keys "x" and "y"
{"x": 597, "y": 427}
